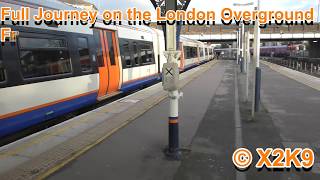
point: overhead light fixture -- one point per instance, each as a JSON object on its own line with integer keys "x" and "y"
{"x": 315, "y": 41}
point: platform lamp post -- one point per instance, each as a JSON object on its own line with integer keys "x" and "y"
{"x": 238, "y": 46}
{"x": 257, "y": 82}
{"x": 170, "y": 75}
{"x": 181, "y": 5}
{"x": 242, "y": 40}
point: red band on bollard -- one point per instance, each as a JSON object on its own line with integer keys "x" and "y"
{"x": 173, "y": 120}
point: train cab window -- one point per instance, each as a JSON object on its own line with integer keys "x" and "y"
{"x": 2, "y": 71}
{"x": 43, "y": 57}
{"x": 125, "y": 53}
{"x": 136, "y": 54}
{"x": 84, "y": 54}
{"x": 146, "y": 53}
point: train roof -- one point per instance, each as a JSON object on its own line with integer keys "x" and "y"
{"x": 58, "y": 5}
{"x": 53, "y": 4}
{"x": 183, "y": 38}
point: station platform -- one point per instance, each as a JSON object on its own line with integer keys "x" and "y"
{"x": 126, "y": 139}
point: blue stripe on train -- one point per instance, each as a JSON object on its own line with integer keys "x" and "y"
{"x": 17, "y": 123}
{"x": 137, "y": 84}
{"x": 190, "y": 66}
{"x": 14, "y": 124}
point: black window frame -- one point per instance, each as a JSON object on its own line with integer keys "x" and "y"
{"x": 11, "y": 56}
{"x": 98, "y": 48}
{"x": 2, "y": 67}
{"x": 44, "y": 36}
{"x": 111, "y": 48}
{"x": 190, "y": 52}
{"x": 150, "y": 48}
{"x": 131, "y": 52}
{"x": 89, "y": 54}
{"x": 127, "y": 53}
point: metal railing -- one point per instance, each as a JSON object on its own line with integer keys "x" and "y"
{"x": 303, "y": 64}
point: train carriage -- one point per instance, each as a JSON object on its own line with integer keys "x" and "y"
{"x": 54, "y": 70}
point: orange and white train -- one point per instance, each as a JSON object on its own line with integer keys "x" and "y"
{"x": 54, "y": 70}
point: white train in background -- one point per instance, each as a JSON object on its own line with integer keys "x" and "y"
{"x": 54, "y": 70}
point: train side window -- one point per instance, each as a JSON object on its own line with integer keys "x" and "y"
{"x": 111, "y": 48}
{"x": 195, "y": 54}
{"x": 84, "y": 54}
{"x": 99, "y": 54}
{"x": 44, "y": 57}
{"x": 136, "y": 57}
{"x": 146, "y": 53}
{"x": 190, "y": 52}
{"x": 125, "y": 53}
{"x": 186, "y": 51}
{"x": 2, "y": 70}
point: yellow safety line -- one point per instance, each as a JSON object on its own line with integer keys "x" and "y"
{"x": 85, "y": 149}
{"x": 40, "y": 139}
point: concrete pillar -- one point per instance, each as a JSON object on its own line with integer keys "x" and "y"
{"x": 300, "y": 66}
{"x": 313, "y": 49}
{"x": 305, "y": 66}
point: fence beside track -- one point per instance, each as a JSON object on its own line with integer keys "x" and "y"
{"x": 303, "y": 64}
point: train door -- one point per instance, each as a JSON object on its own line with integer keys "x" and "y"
{"x": 109, "y": 71}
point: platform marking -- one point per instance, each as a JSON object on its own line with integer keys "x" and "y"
{"x": 40, "y": 138}
{"x": 76, "y": 155}
{"x": 238, "y": 127}
{"x": 129, "y": 101}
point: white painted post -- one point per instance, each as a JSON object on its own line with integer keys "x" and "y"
{"x": 247, "y": 62}
{"x": 257, "y": 76}
{"x": 243, "y": 47}
{"x": 238, "y": 46}
{"x": 171, "y": 67}
{"x": 305, "y": 66}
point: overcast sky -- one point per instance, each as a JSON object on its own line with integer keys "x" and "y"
{"x": 215, "y": 5}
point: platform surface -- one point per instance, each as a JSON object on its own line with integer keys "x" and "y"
{"x": 214, "y": 120}
{"x": 42, "y": 153}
